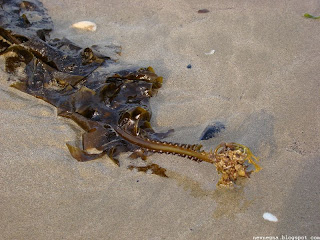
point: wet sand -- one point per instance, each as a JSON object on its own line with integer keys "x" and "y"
{"x": 262, "y": 82}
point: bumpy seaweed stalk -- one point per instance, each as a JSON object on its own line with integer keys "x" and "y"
{"x": 229, "y": 158}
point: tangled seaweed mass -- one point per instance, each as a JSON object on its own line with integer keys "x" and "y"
{"x": 113, "y": 109}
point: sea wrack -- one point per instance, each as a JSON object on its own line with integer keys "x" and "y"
{"x": 112, "y": 108}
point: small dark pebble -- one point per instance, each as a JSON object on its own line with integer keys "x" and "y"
{"x": 137, "y": 180}
{"x": 203, "y": 11}
{"x": 189, "y": 66}
{"x": 212, "y": 130}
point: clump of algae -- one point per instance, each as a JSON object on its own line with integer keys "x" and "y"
{"x": 231, "y": 160}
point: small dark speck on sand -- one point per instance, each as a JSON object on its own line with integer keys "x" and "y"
{"x": 189, "y": 66}
{"x": 203, "y": 11}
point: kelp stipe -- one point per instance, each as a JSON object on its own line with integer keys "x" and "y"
{"x": 231, "y": 159}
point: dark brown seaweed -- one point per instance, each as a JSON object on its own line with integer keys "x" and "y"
{"x": 112, "y": 108}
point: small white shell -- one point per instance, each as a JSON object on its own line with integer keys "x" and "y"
{"x": 85, "y": 25}
{"x": 270, "y": 217}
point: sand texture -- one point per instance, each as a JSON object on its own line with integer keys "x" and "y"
{"x": 262, "y": 82}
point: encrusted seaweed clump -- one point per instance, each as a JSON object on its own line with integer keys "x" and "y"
{"x": 112, "y": 108}
{"x": 231, "y": 160}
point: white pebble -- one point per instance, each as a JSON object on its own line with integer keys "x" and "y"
{"x": 85, "y": 25}
{"x": 270, "y": 217}
{"x": 211, "y": 52}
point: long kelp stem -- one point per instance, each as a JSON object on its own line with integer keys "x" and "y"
{"x": 229, "y": 158}
{"x": 194, "y": 152}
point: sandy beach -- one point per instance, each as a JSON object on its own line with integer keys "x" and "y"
{"x": 261, "y": 81}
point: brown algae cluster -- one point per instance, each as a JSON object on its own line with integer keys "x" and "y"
{"x": 113, "y": 109}
{"x": 231, "y": 160}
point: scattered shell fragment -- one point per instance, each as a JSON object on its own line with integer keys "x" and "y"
{"x": 270, "y": 217}
{"x": 85, "y": 25}
{"x": 210, "y": 53}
